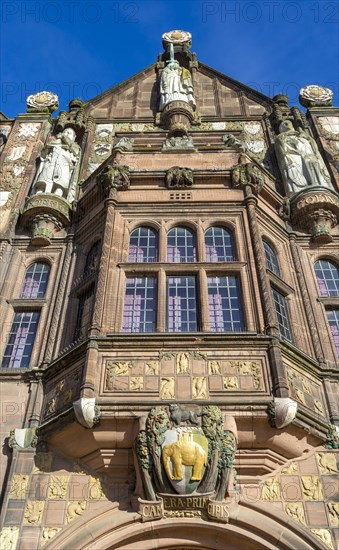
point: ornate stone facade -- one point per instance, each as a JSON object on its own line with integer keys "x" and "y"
{"x": 170, "y": 315}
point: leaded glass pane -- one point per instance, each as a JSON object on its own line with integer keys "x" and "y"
{"x": 92, "y": 260}
{"x": 333, "y": 321}
{"x": 181, "y": 304}
{"x": 21, "y": 339}
{"x": 140, "y": 305}
{"x": 328, "y": 278}
{"x": 271, "y": 258}
{"x": 36, "y": 279}
{"x": 219, "y": 245}
{"x": 143, "y": 245}
{"x": 224, "y": 304}
{"x": 181, "y": 245}
{"x": 281, "y": 311}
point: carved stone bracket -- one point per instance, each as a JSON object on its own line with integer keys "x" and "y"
{"x": 177, "y": 177}
{"x": 23, "y": 438}
{"x": 87, "y": 412}
{"x": 247, "y": 173}
{"x": 46, "y": 214}
{"x": 316, "y": 211}
{"x": 115, "y": 176}
{"x": 281, "y": 412}
{"x": 177, "y": 117}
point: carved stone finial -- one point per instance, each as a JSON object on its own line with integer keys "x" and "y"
{"x": 42, "y": 102}
{"x": 178, "y": 176}
{"x": 76, "y": 118}
{"x": 177, "y": 37}
{"x": 315, "y": 96}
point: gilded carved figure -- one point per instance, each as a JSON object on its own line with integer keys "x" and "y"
{"x": 57, "y": 163}
{"x": 184, "y": 452}
{"x": 299, "y": 159}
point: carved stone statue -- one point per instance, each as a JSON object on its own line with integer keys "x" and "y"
{"x": 57, "y": 162}
{"x": 299, "y": 159}
{"x": 175, "y": 83}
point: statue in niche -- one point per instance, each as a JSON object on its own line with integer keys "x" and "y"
{"x": 299, "y": 159}
{"x": 57, "y": 163}
{"x": 175, "y": 83}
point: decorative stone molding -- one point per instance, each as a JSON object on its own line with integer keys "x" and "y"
{"x": 87, "y": 412}
{"x": 281, "y": 412}
{"x": 115, "y": 176}
{"x": 42, "y": 102}
{"x": 177, "y": 177}
{"x": 315, "y": 96}
{"x": 178, "y": 143}
{"x": 317, "y": 211}
{"x": 46, "y": 214}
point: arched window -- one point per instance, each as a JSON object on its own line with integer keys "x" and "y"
{"x": 35, "y": 282}
{"x": 92, "y": 260}
{"x": 271, "y": 258}
{"x": 328, "y": 277}
{"x": 143, "y": 245}
{"x": 219, "y": 244}
{"x": 181, "y": 245}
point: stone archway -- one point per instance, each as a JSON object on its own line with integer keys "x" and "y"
{"x": 254, "y": 527}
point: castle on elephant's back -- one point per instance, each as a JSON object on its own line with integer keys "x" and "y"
{"x": 170, "y": 306}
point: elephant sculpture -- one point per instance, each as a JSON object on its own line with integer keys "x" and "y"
{"x": 184, "y": 452}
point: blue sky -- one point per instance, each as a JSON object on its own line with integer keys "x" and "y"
{"x": 79, "y": 48}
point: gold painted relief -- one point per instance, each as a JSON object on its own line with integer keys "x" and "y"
{"x": 311, "y": 488}
{"x": 214, "y": 367}
{"x": 152, "y": 368}
{"x": 333, "y": 511}
{"x": 271, "y": 489}
{"x": 136, "y": 383}
{"x": 95, "y": 489}
{"x": 184, "y": 452}
{"x": 327, "y": 463}
{"x": 9, "y": 538}
{"x": 296, "y": 511}
{"x": 231, "y": 383}
{"x": 290, "y": 469}
{"x": 75, "y": 509}
{"x": 47, "y": 534}
{"x": 325, "y": 536}
{"x": 183, "y": 363}
{"x": 19, "y": 486}
{"x": 199, "y": 387}
{"x": 57, "y": 488}
{"x": 33, "y": 512}
{"x": 167, "y": 388}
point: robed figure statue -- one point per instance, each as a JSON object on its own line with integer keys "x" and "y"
{"x": 175, "y": 83}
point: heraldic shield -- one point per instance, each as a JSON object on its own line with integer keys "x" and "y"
{"x": 185, "y": 452}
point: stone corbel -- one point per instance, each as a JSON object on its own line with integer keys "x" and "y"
{"x": 87, "y": 412}
{"x": 247, "y": 173}
{"x": 316, "y": 210}
{"x": 115, "y": 176}
{"x": 281, "y": 412}
{"x": 178, "y": 176}
{"x": 23, "y": 438}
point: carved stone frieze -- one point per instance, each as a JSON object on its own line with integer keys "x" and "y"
{"x": 325, "y": 536}
{"x": 61, "y": 391}
{"x": 327, "y": 463}
{"x": 48, "y": 533}
{"x": 57, "y": 488}
{"x": 306, "y": 391}
{"x": 271, "y": 489}
{"x": 75, "y": 509}
{"x": 296, "y": 511}
{"x": 333, "y": 511}
{"x": 19, "y": 484}
{"x": 311, "y": 488}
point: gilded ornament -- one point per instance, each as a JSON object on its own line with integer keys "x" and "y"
{"x": 19, "y": 486}
{"x": 9, "y": 538}
{"x": 290, "y": 469}
{"x": 327, "y": 463}
{"x": 231, "y": 383}
{"x": 95, "y": 489}
{"x": 136, "y": 383}
{"x": 312, "y": 488}
{"x": 271, "y": 489}
{"x": 296, "y": 511}
{"x": 299, "y": 395}
{"x": 184, "y": 452}
{"x": 167, "y": 388}
{"x": 47, "y": 534}
{"x": 182, "y": 363}
{"x": 214, "y": 367}
{"x": 57, "y": 488}
{"x": 318, "y": 407}
{"x": 333, "y": 510}
{"x": 199, "y": 387}
{"x": 75, "y": 509}
{"x": 306, "y": 386}
{"x": 152, "y": 368}
{"x": 33, "y": 512}
{"x": 325, "y": 536}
